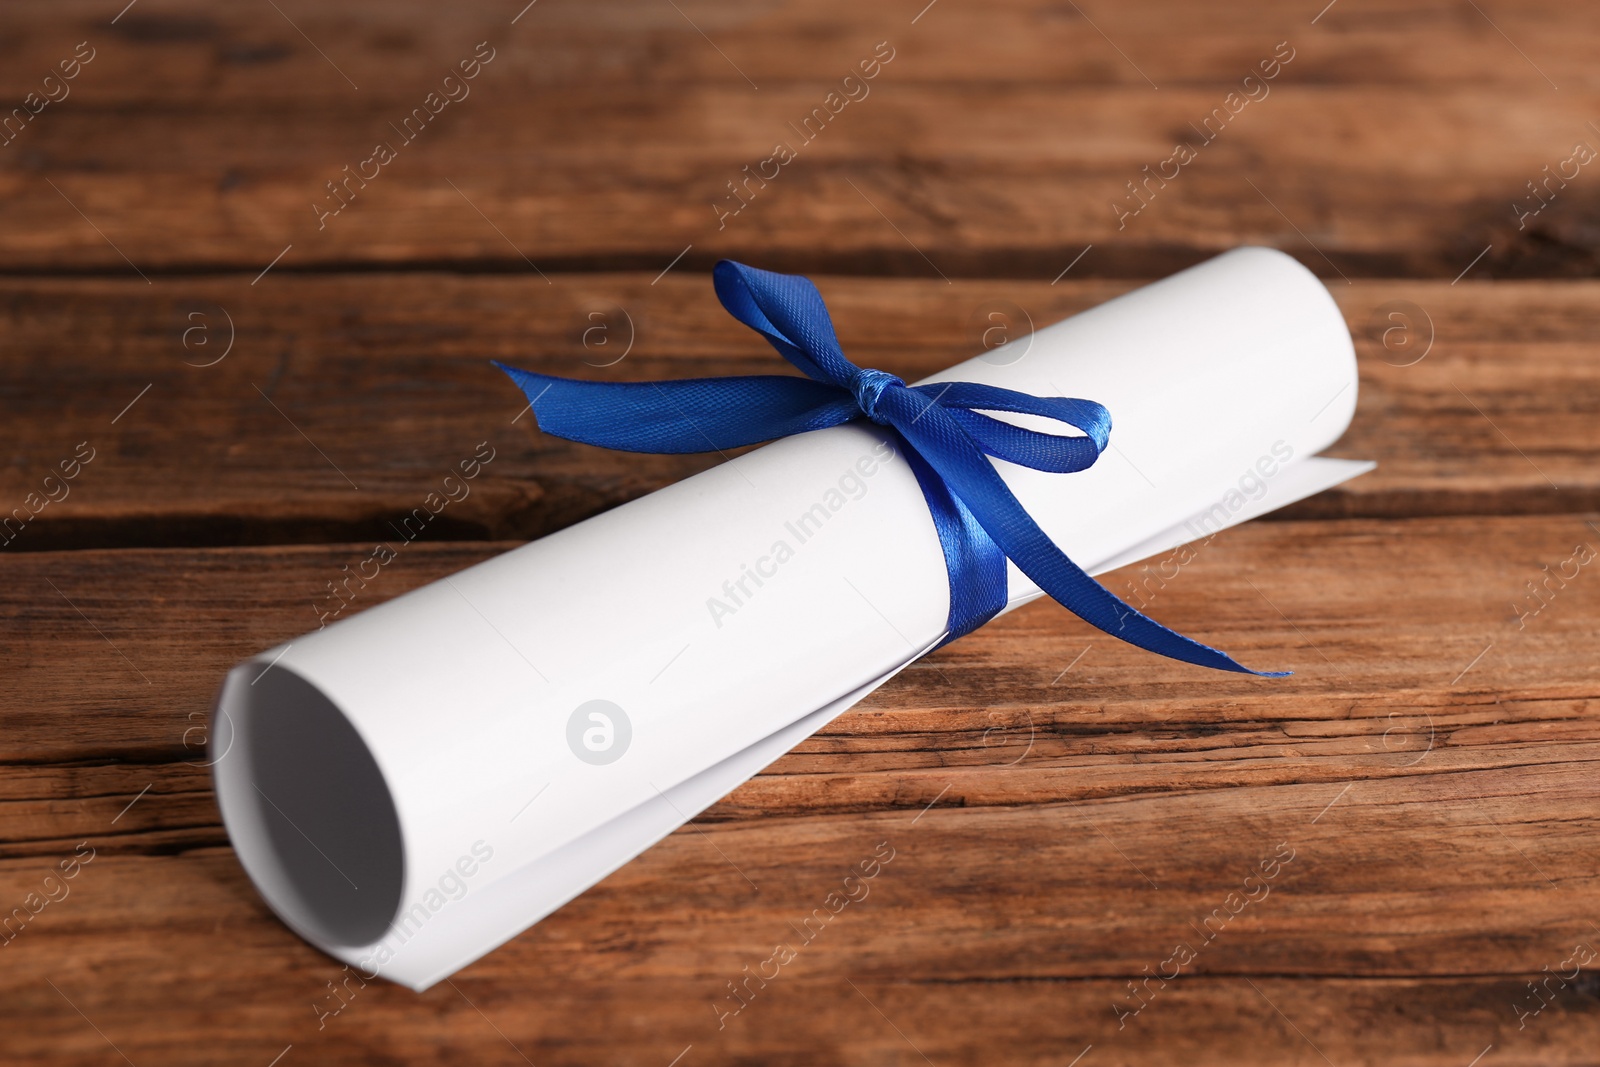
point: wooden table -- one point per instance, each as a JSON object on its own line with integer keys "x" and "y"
{"x": 249, "y": 387}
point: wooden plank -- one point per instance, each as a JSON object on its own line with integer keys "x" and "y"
{"x": 994, "y": 143}
{"x": 344, "y": 401}
{"x": 992, "y": 935}
{"x": 1411, "y": 660}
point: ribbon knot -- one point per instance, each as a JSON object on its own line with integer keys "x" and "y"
{"x": 867, "y": 385}
{"x": 946, "y": 439}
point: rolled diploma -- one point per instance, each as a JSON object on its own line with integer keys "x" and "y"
{"x": 400, "y": 786}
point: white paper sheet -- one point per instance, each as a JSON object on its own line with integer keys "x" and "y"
{"x": 403, "y": 787}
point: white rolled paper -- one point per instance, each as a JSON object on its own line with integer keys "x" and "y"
{"x": 416, "y": 784}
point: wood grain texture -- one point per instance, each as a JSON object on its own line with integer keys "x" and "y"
{"x": 994, "y": 936}
{"x": 1064, "y": 811}
{"x": 344, "y": 401}
{"x": 993, "y": 144}
{"x": 1056, "y": 831}
{"x": 150, "y": 633}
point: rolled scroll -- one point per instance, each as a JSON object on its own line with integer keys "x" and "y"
{"x": 418, "y": 783}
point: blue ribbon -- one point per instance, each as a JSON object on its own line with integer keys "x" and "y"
{"x": 947, "y": 442}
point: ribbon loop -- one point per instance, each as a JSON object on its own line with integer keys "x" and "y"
{"x": 947, "y": 440}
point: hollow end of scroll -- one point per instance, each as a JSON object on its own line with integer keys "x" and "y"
{"x": 306, "y": 806}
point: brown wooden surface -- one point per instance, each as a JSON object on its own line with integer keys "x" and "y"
{"x": 388, "y": 375}
{"x": 1432, "y": 763}
{"x": 601, "y": 134}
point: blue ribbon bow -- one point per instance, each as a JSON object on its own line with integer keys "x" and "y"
{"x": 979, "y": 521}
